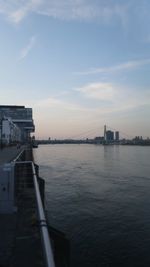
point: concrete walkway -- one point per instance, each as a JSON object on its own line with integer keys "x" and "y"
{"x": 20, "y": 240}
{"x": 7, "y": 221}
{"x": 8, "y": 224}
{"x": 7, "y": 154}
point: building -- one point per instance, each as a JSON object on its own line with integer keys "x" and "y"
{"x": 109, "y": 136}
{"x": 116, "y": 136}
{"x": 10, "y": 132}
{"x": 99, "y": 140}
{"x": 19, "y": 116}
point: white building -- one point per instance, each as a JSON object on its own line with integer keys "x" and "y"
{"x": 10, "y": 132}
{"x": 21, "y": 117}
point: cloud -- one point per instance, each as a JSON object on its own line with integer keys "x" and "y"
{"x": 20, "y": 13}
{"x": 48, "y": 102}
{"x": 114, "y": 98}
{"x": 17, "y": 10}
{"x": 56, "y": 117}
{"x": 106, "y": 99}
{"x": 82, "y": 10}
{"x": 25, "y": 51}
{"x": 100, "y": 91}
{"x": 65, "y": 9}
{"x": 130, "y": 65}
{"x": 58, "y": 104}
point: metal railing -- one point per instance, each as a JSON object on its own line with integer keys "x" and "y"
{"x": 46, "y": 243}
{"x": 19, "y": 156}
{"x": 43, "y": 224}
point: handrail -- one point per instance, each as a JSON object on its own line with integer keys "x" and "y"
{"x": 18, "y": 156}
{"x": 47, "y": 248}
{"x": 43, "y": 224}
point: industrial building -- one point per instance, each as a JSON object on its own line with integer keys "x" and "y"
{"x": 16, "y": 124}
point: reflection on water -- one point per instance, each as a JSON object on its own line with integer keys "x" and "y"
{"x": 100, "y": 197}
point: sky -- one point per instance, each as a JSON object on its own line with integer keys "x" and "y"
{"x": 80, "y": 64}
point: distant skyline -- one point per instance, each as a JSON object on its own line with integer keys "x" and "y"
{"x": 80, "y": 64}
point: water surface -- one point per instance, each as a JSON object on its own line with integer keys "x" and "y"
{"x": 100, "y": 197}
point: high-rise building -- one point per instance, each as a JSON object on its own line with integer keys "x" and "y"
{"x": 109, "y": 136}
{"x": 116, "y": 136}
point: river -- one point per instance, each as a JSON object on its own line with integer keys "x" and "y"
{"x": 100, "y": 197}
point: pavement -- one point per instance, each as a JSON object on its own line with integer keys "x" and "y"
{"x": 7, "y": 237}
{"x": 20, "y": 241}
{"x": 7, "y": 154}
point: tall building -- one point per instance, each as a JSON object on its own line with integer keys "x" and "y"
{"x": 116, "y": 136}
{"x": 104, "y": 132}
{"x": 21, "y": 117}
{"x": 109, "y": 136}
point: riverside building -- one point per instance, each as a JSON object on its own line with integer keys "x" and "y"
{"x": 16, "y": 124}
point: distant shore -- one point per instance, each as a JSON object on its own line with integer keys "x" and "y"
{"x": 90, "y": 141}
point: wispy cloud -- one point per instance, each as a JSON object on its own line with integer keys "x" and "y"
{"x": 109, "y": 98}
{"x": 114, "y": 98}
{"x": 48, "y": 102}
{"x": 25, "y": 51}
{"x": 130, "y": 65}
{"x": 100, "y": 91}
{"x": 83, "y": 10}
{"x": 58, "y": 104}
{"x": 17, "y": 10}
{"x": 65, "y": 9}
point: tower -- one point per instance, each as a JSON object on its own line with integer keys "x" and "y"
{"x": 117, "y": 136}
{"x": 105, "y": 133}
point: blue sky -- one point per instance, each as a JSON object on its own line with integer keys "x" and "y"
{"x": 79, "y": 64}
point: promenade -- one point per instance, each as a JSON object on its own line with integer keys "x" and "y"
{"x": 7, "y": 154}
{"x": 20, "y": 242}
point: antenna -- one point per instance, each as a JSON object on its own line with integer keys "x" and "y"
{"x": 104, "y": 132}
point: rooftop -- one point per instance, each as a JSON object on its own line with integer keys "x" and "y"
{"x": 11, "y": 106}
